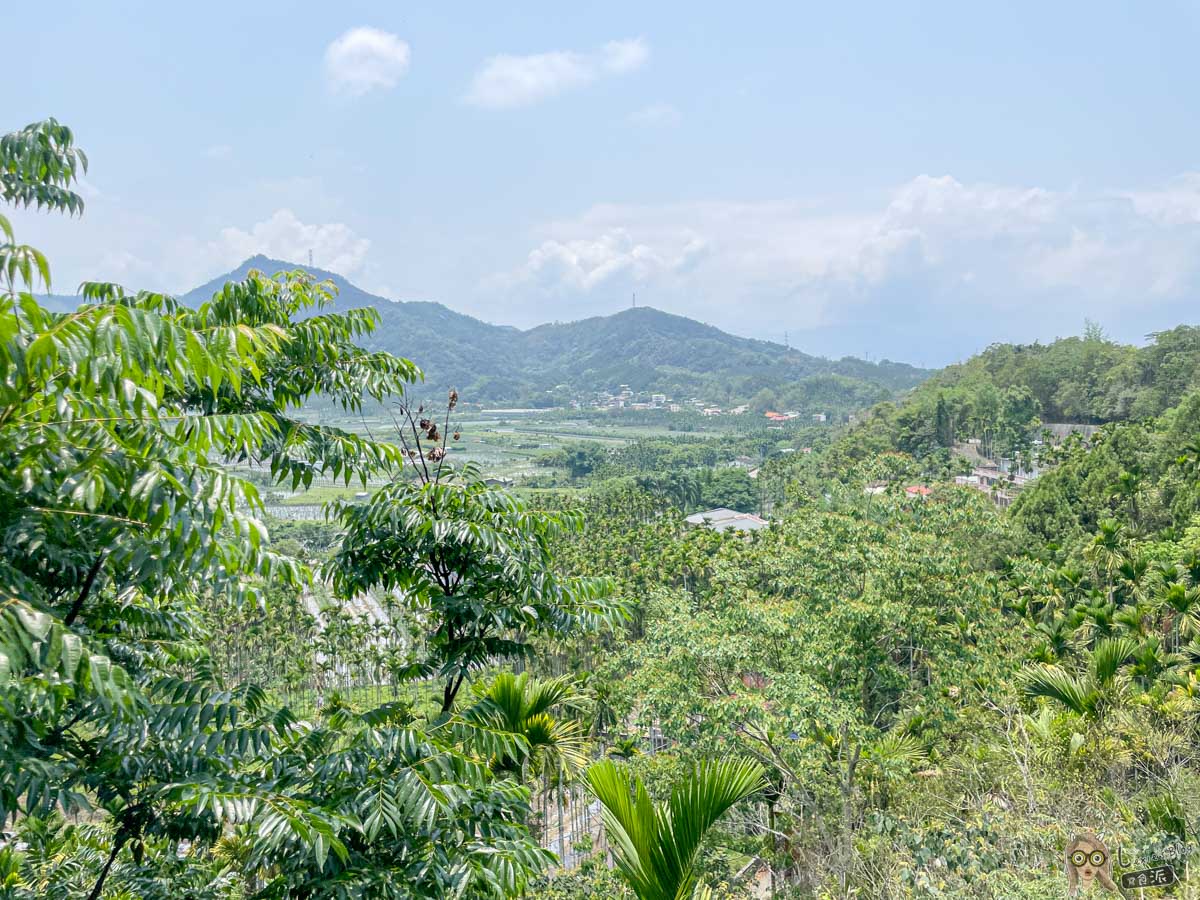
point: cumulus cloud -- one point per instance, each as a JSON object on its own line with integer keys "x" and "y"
{"x": 334, "y": 245}
{"x": 710, "y": 250}
{"x": 935, "y": 253}
{"x": 506, "y": 81}
{"x": 365, "y": 59}
{"x": 585, "y": 263}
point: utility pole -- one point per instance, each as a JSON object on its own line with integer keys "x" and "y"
{"x": 635, "y": 299}
{"x": 310, "y": 265}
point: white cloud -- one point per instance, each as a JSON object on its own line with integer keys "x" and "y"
{"x": 586, "y": 263}
{"x": 946, "y": 203}
{"x": 1178, "y": 203}
{"x": 334, "y": 245}
{"x": 506, "y": 81}
{"x": 935, "y": 254}
{"x": 363, "y": 59}
{"x": 656, "y": 114}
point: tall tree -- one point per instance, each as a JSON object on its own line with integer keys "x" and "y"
{"x": 119, "y": 524}
{"x": 474, "y": 562}
{"x": 942, "y": 425}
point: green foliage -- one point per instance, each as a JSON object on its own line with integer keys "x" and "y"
{"x": 38, "y": 165}
{"x": 1137, "y": 473}
{"x": 409, "y": 813}
{"x": 516, "y": 705}
{"x": 942, "y": 692}
{"x": 61, "y": 861}
{"x": 579, "y": 459}
{"x": 476, "y": 562}
{"x": 655, "y": 845}
{"x": 116, "y": 520}
{"x": 125, "y": 538}
{"x": 1073, "y": 692}
{"x": 730, "y": 487}
{"x": 1003, "y": 395}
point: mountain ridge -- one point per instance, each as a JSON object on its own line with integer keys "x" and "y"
{"x": 347, "y": 288}
{"x": 554, "y": 363}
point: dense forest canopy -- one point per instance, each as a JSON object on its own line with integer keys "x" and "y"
{"x": 1089, "y": 378}
{"x": 900, "y": 686}
{"x": 1008, "y": 394}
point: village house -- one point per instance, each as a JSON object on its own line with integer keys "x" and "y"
{"x": 722, "y": 519}
{"x": 740, "y": 462}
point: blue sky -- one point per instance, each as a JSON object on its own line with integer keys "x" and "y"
{"x": 903, "y": 180}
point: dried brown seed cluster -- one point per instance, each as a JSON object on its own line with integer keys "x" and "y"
{"x": 430, "y": 428}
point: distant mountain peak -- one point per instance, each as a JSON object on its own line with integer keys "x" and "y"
{"x": 649, "y": 349}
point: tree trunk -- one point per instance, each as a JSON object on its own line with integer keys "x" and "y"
{"x": 118, "y": 843}
{"x": 847, "y": 849}
{"x": 562, "y": 844}
{"x": 774, "y": 844}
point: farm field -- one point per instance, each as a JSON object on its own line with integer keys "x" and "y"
{"x": 506, "y": 444}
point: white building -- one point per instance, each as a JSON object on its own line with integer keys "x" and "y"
{"x": 722, "y": 519}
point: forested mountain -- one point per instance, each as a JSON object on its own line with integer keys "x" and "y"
{"x": 649, "y": 350}
{"x": 1087, "y": 378}
{"x": 1006, "y": 393}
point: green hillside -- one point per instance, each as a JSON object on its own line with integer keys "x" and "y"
{"x": 1006, "y": 394}
{"x": 649, "y": 350}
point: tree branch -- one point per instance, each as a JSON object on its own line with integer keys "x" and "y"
{"x": 90, "y": 580}
{"x": 118, "y": 843}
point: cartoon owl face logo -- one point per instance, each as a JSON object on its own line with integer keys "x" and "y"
{"x": 1088, "y": 862}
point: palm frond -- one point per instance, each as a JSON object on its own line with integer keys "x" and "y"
{"x": 655, "y": 846}
{"x": 900, "y": 749}
{"x": 1109, "y": 655}
{"x": 1076, "y": 694}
